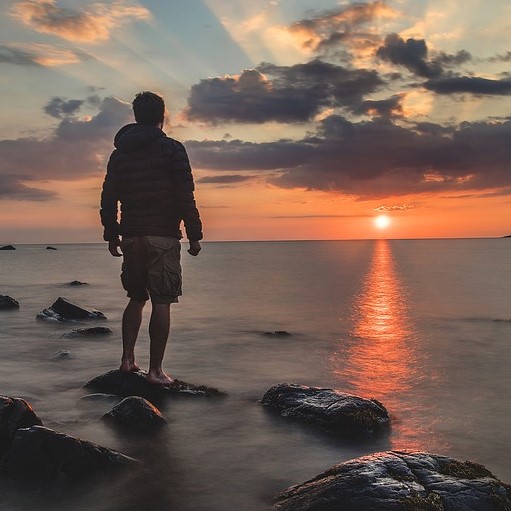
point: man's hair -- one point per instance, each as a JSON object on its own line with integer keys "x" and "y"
{"x": 149, "y": 108}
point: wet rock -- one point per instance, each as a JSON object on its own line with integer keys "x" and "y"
{"x": 50, "y": 248}
{"x": 277, "y": 333}
{"x": 330, "y": 409}
{"x": 95, "y": 331}
{"x": 7, "y": 247}
{"x": 6, "y": 302}
{"x": 41, "y": 454}
{"x": 136, "y": 414}
{"x": 77, "y": 283}
{"x": 399, "y": 481}
{"x": 15, "y": 413}
{"x": 61, "y": 355}
{"x": 64, "y": 310}
{"x": 135, "y": 384}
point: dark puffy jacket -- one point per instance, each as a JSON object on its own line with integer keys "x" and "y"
{"x": 150, "y": 175}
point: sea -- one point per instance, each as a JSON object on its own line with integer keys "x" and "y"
{"x": 424, "y": 326}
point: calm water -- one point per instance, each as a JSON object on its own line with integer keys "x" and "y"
{"x": 423, "y": 325}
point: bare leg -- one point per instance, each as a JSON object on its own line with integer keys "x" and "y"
{"x": 131, "y": 320}
{"x": 159, "y": 327}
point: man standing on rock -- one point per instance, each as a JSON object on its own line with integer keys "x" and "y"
{"x": 150, "y": 176}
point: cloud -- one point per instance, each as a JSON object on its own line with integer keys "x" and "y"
{"x": 60, "y": 107}
{"x": 35, "y": 54}
{"x": 375, "y": 159}
{"x": 76, "y": 149}
{"x": 279, "y": 93}
{"x": 469, "y": 84}
{"x": 342, "y": 26}
{"x": 87, "y": 25}
{"x": 413, "y": 54}
{"x": 225, "y": 179}
{"x": 386, "y": 108}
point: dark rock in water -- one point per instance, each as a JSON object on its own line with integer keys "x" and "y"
{"x": 277, "y": 333}
{"x": 61, "y": 355}
{"x": 6, "y": 302}
{"x": 399, "y": 481}
{"x": 135, "y": 384}
{"x": 95, "y": 331}
{"x": 41, "y": 454}
{"x": 7, "y": 247}
{"x": 136, "y": 414}
{"x": 15, "y": 413}
{"x": 64, "y": 310}
{"x": 51, "y": 248}
{"x": 331, "y": 409}
{"x": 77, "y": 283}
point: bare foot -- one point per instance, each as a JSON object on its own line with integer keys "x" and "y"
{"x": 159, "y": 378}
{"x": 128, "y": 366}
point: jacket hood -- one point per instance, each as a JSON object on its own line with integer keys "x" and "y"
{"x": 133, "y": 137}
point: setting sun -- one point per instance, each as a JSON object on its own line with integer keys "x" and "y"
{"x": 382, "y": 221}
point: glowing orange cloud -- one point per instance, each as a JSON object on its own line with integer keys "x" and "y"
{"x": 89, "y": 26}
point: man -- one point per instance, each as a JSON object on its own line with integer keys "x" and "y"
{"x": 150, "y": 176}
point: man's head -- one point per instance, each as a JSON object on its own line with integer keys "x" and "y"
{"x": 149, "y": 108}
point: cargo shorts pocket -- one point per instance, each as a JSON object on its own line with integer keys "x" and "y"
{"x": 164, "y": 268}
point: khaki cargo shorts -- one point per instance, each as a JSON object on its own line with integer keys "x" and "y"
{"x": 151, "y": 268}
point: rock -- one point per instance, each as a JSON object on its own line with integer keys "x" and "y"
{"x": 61, "y": 355}
{"x": 15, "y": 413}
{"x": 41, "y": 454}
{"x": 64, "y": 310}
{"x": 135, "y": 384}
{"x": 330, "y": 409}
{"x": 7, "y": 247}
{"x": 278, "y": 333}
{"x": 51, "y": 248}
{"x": 95, "y": 331}
{"x": 136, "y": 414}
{"x": 77, "y": 283}
{"x": 399, "y": 481}
{"x": 6, "y": 302}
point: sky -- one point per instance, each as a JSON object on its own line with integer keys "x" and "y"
{"x": 303, "y": 119}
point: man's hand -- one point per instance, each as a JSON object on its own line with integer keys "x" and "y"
{"x": 195, "y": 248}
{"x": 113, "y": 247}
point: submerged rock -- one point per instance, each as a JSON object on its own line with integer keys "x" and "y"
{"x": 77, "y": 283}
{"x": 331, "y": 409}
{"x": 95, "y": 331}
{"x": 99, "y": 398}
{"x": 50, "y": 248}
{"x": 61, "y": 355}
{"x": 399, "y": 481}
{"x": 41, "y": 454}
{"x": 6, "y": 302}
{"x": 7, "y": 247}
{"x": 64, "y": 310}
{"x": 136, "y": 414}
{"x": 15, "y": 413}
{"x": 135, "y": 384}
{"x": 277, "y": 333}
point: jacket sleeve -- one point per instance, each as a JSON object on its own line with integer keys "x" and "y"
{"x": 183, "y": 193}
{"x": 109, "y": 201}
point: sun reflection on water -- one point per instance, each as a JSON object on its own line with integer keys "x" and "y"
{"x": 380, "y": 359}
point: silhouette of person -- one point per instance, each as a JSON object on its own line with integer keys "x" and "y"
{"x": 149, "y": 174}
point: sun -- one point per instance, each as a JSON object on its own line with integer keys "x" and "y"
{"x": 382, "y": 221}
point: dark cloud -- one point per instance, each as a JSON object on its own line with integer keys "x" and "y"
{"x": 76, "y": 149}
{"x": 10, "y": 55}
{"x": 11, "y": 187}
{"x": 385, "y": 108}
{"x": 225, "y": 179}
{"x": 469, "y": 84}
{"x": 61, "y": 107}
{"x": 279, "y": 93}
{"x": 506, "y": 57}
{"x": 375, "y": 159}
{"x": 413, "y": 54}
